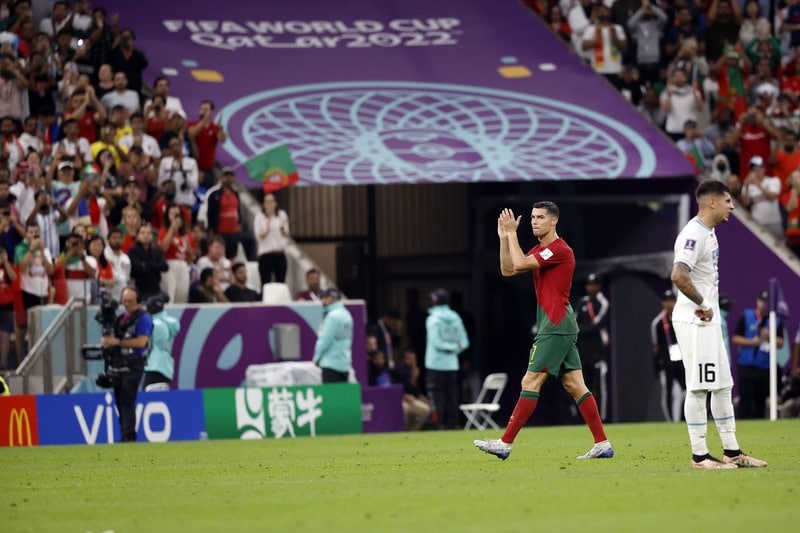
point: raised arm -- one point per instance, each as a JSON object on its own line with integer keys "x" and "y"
{"x": 512, "y": 259}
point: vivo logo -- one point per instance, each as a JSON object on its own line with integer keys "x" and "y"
{"x": 105, "y": 416}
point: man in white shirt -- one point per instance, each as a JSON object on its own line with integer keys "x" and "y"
{"x": 215, "y": 259}
{"x": 760, "y": 194}
{"x": 29, "y": 138}
{"x": 121, "y": 95}
{"x": 182, "y": 170}
{"x": 173, "y": 103}
{"x": 697, "y": 322}
{"x": 605, "y": 42}
{"x": 120, "y": 262}
{"x": 681, "y": 102}
{"x": 35, "y": 267}
{"x": 148, "y": 143}
{"x": 80, "y": 269}
{"x": 58, "y": 20}
{"x": 72, "y": 144}
{"x": 11, "y": 149}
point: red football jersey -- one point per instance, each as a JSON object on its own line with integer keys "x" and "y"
{"x": 553, "y": 282}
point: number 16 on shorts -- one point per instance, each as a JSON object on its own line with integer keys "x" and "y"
{"x": 706, "y": 373}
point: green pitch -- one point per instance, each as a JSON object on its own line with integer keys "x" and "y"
{"x": 431, "y": 481}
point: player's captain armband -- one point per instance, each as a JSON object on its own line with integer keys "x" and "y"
{"x": 674, "y": 352}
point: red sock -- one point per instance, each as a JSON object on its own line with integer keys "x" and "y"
{"x": 522, "y": 412}
{"x": 588, "y": 408}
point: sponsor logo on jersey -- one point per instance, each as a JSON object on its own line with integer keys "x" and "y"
{"x": 546, "y": 254}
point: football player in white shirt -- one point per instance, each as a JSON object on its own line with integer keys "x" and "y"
{"x": 698, "y": 329}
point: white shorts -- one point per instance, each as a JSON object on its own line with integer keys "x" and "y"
{"x": 705, "y": 357}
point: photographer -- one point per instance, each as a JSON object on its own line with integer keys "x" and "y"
{"x": 160, "y": 366}
{"x": 129, "y": 346}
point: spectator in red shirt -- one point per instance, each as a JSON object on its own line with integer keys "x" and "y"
{"x": 223, "y": 212}
{"x": 7, "y": 276}
{"x": 177, "y": 245}
{"x": 786, "y": 160}
{"x": 156, "y": 116}
{"x": 131, "y": 222}
{"x": 84, "y": 107}
{"x": 163, "y": 200}
{"x": 204, "y": 135}
{"x": 755, "y": 136}
{"x": 792, "y": 207}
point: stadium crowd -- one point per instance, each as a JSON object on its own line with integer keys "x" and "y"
{"x": 720, "y": 77}
{"x": 105, "y": 181}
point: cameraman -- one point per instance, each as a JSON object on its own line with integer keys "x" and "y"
{"x": 131, "y": 340}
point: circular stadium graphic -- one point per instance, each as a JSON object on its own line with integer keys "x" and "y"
{"x": 401, "y": 132}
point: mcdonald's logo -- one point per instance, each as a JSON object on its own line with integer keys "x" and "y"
{"x": 19, "y": 428}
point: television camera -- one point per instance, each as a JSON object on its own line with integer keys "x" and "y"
{"x": 114, "y": 364}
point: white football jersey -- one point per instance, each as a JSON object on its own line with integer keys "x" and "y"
{"x": 697, "y": 247}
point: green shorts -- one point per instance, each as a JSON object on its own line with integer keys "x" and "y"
{"x": 554, "y": 354}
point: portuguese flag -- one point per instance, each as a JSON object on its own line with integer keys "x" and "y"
{"x": 274, "y": 168}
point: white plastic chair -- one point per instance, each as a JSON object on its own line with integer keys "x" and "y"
{"x": 479, "y": 414}
{"x": 276, "y": 294}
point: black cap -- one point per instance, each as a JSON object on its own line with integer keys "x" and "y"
{"x": 155, "y": 303}
{"x": 331, "y": 292}
{"x": 668, "y": 295}
{"x": 593, "y": 278}
{"x": 440, "y": 297}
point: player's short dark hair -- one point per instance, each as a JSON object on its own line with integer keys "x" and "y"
{"x": 237, "y": 265}
{"x": 711, "y": 187}
{"x": 550, "y": 207}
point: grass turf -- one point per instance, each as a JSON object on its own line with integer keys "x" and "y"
{"x": 407, "y": 481}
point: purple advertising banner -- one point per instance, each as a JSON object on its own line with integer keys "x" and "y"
{"x": 216, "y": 343}
{"x": 382, "y": 409}
{"x": 746, "y": 264}
{"x": 398, "y": 91}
